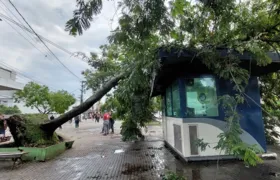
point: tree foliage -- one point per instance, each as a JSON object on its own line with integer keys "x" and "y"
{"x": 44, "y": 100}
{"x": 9, "y": 110}
{"x": 271, "y": 106}
{"x": 202, "y": 27}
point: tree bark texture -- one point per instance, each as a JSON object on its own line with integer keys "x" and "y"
{"x": 17, "y": 128}
{"x": 51, "y": 126}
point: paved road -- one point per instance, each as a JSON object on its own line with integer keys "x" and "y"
{"x": 94, "y": 156}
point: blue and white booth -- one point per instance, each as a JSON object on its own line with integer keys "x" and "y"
{"x": 190, "y": 109}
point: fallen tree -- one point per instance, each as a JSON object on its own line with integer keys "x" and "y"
{"x": 30, "y": 132}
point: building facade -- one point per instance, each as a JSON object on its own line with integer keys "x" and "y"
{"x": 8, "y": 86}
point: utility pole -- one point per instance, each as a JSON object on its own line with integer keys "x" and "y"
{"x": 82, "y": 95}
{"x": 82, "y": 91}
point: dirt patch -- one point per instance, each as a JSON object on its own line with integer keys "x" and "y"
{"x": 138, "y": 168}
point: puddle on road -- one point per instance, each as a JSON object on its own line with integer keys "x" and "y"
{"x": 118, "y": 151}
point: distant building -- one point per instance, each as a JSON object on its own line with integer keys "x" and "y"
{"x": 8, "y": 86}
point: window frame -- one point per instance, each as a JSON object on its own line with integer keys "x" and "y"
{"x": 169, "y": 91}
{"x": 176, "y": 85}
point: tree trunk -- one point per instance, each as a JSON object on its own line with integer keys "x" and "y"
{"x": 51, "y": 126}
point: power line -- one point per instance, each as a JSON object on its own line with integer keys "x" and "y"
{"x": 44, "y": 43}
{"x": 42, "y": 37}
{"x": 17, "y": 19}
{"x": 25, "y": 38}
{"x": 74, "y": 90}
{"x": 30, "y": 36}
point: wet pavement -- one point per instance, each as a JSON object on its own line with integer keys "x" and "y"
{"x": 94, "y": 156}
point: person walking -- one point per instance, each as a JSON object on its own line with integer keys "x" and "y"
{"x": 77, "y": 121}
{"x": 106, "y": 118}
{"x": 111, "y": 123}
{"x": 97, "y": 117}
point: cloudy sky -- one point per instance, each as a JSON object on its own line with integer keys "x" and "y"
{"x": 48, "y": 19}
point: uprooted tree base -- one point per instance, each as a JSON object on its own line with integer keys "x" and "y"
{"x": 26, "y": 131}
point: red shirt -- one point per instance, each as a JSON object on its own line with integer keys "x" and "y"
{"x": 106, "y": 116}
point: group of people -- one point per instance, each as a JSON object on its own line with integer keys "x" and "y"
{"x": 108, "y": 123}
{"x": 96, "y": 116}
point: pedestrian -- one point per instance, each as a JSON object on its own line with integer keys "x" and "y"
{"x": 77, "y": 121}
{"x": 97, "y": 116}
{"x": 106, "y": 118}
{"x": 3, "y": 125}
{"x": 111, "y": 122}
{"x": 92, "y": 116}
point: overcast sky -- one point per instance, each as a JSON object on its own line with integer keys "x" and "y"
{"x": 48, "y": 18}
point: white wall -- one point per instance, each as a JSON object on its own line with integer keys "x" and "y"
{"x": 207, "y": 129}
{"x": 169, "y": 134}
{"x": 209, "y": 135}
{"x": 208, "y": 132}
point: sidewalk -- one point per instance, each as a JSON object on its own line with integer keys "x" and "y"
{"x": 94, "y": 156}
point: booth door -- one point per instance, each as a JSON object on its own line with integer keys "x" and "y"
{"x": 193, "y": 138}
{"x": 177, "y": 137}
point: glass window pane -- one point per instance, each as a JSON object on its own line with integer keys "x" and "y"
{"x": 201, "y": 97}
{"x": 176, "y": 99}
{"x": 168, "y": 102}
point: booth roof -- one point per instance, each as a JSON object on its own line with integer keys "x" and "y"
{"x": 177, "y": 63}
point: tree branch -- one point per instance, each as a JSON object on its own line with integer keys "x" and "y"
{"x": 40, "y": 111}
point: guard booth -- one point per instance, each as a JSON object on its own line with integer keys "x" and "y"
{"x": 190, "y": 109}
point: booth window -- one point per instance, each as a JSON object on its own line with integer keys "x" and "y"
{"x": 201, "y": 97}
{"x": 172, "y": 100}
{"x": 176, "y": 100}
{"x": 168, "y": 102}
